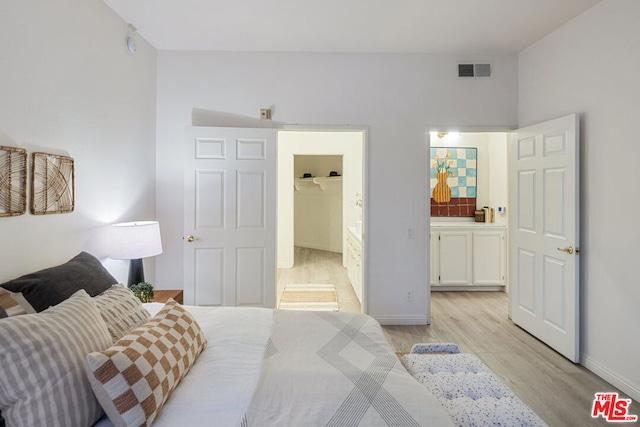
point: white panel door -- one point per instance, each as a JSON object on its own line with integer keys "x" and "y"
{"x": 230, "y": 217}
{"x": 544, "y": 230}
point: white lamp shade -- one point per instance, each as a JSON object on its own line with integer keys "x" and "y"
{"x": 135, "y": 240}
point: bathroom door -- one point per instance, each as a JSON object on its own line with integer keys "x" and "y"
{"x": 230, "y": 217}
{"x": 544, "y": 230}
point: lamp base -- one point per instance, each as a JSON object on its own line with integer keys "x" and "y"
{"x": 136, "y": 272}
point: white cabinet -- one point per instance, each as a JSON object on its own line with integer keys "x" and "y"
{"x": 434, "y": 258}
{"x": 354, "y": 261}
{"x": 489, "y": 257}
{"x": 467, "y": 257}
{"x": 455, "y": 258}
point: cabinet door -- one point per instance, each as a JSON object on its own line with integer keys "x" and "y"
{"x": 354, "y": 270}
{"x": 434, "y": 270}
{"x": 455, "y": 257}
{"x": 488, "y": 257}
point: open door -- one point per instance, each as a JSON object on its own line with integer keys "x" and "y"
{"x": 230, "y": 217}
{"x": 544, "y": 232}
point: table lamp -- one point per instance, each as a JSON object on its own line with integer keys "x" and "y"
{"x": 134, "y": 241}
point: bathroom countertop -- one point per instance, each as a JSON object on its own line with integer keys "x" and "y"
{"x": 466, "y": 224}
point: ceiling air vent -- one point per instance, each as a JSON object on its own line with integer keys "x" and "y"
{"x": 474, "y": 70}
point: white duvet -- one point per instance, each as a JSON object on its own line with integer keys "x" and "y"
{"x": 264, "y": 367}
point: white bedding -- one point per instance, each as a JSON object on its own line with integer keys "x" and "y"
{"x": 218, "y": 388}
{"x": 337, "y": 369}
{"x": 264, "y": 367}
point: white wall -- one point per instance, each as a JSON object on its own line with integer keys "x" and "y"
{"x": 318, "y": 216}
{"x": 316, "y": 165}
{"x": 498, "y": 175}
{"x": 590, "y": 66}
{"x": 397, "y": 96}
{"x": 69, "y": 87}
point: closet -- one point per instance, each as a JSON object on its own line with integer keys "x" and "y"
{"x": 318, "y": 202}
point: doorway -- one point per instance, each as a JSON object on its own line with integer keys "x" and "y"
{"x": 542, "y": 184}
{"x": 322, "y": 171}
{"x": 466, "y": 255}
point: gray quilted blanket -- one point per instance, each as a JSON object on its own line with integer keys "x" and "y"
{"x": 345, "y": 375}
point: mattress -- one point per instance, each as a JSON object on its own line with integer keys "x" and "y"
{"x": 264, "y": 367}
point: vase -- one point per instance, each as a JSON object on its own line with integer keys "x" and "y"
{"x": 442, "y": 192}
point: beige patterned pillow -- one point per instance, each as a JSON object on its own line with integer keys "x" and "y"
{"x": 42, "y": 379}
{"x": 121, "y": 310}
{"x": 134, "y": 378}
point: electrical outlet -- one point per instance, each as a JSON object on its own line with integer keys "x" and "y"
{"x": 411, "y": 233}
{"x": 408, "y": 296}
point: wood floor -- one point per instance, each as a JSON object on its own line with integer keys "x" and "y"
{"x": 322, "y": 267}
{"x": 560, "y": 392}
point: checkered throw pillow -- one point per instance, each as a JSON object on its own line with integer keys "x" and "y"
{"x": 134, "y": 378}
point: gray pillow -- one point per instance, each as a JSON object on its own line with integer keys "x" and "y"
{"x": 51, "y": 286}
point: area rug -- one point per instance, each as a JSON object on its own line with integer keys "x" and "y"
{"x": 309, "y": 297}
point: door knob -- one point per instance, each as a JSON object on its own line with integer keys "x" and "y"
{"x": 567, "y": 249}
{"x": 190, "y": 238}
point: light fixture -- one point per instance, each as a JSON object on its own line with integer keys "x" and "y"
{"x": 134, "y": 241}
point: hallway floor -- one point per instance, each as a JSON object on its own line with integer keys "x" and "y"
{"x": 321, "y": 267}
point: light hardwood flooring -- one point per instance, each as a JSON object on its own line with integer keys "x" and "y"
{"x": 559, "y": 391}
{"x": 321, "y": 267}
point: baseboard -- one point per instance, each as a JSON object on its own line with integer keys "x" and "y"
{"x": 418, "y": 319}
{"x": 613, "y": 378}
{"x": 312, "y": 245}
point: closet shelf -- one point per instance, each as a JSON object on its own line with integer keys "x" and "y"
{"x": 319, "y": 181}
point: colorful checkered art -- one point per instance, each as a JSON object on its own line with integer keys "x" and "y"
{"x": 452, "y": 179}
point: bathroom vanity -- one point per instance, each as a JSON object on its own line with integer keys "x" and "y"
{"x": 467, "y": 256}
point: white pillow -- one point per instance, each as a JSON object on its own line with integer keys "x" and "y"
{"x": 43, "y": 381}
{"x": 121, "y": 310}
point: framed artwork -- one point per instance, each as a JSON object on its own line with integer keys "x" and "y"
{"x": 453, "y": 181}
{"x": 13, "y": 181}
{"x": 52, "y": 184}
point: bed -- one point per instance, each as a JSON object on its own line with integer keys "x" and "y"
{"x": 236, "y": 367}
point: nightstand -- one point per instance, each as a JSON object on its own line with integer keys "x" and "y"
{"x": 163, "y": 295}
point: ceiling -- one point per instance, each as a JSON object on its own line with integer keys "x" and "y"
{"x": 398, "y": 26}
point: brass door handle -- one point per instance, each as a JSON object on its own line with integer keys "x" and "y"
{"x": 567, "y": 249}
{"x": 190, "y": 238}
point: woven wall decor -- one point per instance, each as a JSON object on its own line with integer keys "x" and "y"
{"x": 52, "y": 184}
{"x": 13, "y": 181}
